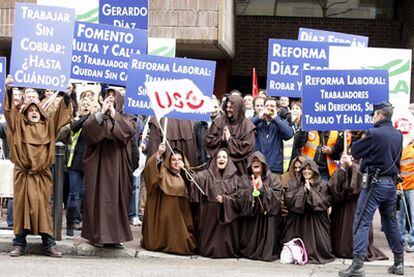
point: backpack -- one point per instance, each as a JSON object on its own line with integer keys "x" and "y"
{"x": 294, "y": 251}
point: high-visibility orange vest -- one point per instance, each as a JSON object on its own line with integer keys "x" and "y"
{"x": 312, "y": 143}
{"x": 407, "y": 167}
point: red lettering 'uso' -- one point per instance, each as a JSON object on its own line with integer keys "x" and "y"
{"x": 157, "y": 97}
{"x": 191, "y": 105}
{"x": 177, "y": 97}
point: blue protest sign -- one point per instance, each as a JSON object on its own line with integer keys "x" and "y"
{"x": 42, "y": 46}
{"x": 332, "y": 37}
{"x": 2, "y": 79}
{"x": 143, "y": 68}
{"x": 341, "y": 99}
{"x": 124, "y": 13}
{"x": 287, "y": 59}
{"x": 101, "y": 52}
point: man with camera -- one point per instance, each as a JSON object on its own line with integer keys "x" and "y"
{"x": 380, "y": 151}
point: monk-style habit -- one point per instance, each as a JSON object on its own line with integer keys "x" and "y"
{"x": 260, "y": 225}
{"x": 308, "y": 216}
{"x": 168, "y": 223}
{"x": 108, "y": 175}
{"x": 32, "y": 150}
{"x": 242, "y": 141}
{"x": 345, "y": 187}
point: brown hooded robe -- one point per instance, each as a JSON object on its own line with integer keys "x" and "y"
{"x": 308, "y": 216}
{"x": 218, "y": 227}
{"x": 32, "y": 150}
{"x": 108, "y": 175}
{"x": 242, "y": 141}
{"x": 345, "y": 187}
{"x": 260, "y": 224}
{"x": 168, "y": 224}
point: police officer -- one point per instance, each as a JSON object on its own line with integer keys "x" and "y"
{"x": 380, "y": 151}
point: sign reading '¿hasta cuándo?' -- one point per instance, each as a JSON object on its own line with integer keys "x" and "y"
{"x": 341, "y": 99}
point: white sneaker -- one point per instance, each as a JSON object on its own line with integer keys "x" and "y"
{"x": 136, "y": 222}
{"x": 410, "y": 248}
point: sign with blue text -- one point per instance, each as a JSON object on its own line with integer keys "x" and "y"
{"x": 148, "y": 69}
{"x": 2, "y": 79}
{"x": 124, "y": 13}
{"x": 101, "y": 52}
{"x": 306, "y": 34}
{"x": 287, "y": 59}
{"x": 42, "y": 46}
{"x": 341, "y": 99}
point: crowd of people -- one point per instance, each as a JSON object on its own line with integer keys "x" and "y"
{"x": 240, "y": 185}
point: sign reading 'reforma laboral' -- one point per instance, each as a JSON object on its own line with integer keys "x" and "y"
{"x": 306, "y": 34}
{"x": 145, "y": 68}
{"x": 124, "y": 13}
{"x": 341, "y": 99}
{"x": 287, "y": 59}
{"x": 2, "y": 79}
{"x": 42, "y": 46}
{"x": 101, "y": 52}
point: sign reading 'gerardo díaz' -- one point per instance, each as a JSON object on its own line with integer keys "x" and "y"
{"x": 287, "y": 59}
{"x": 196, "y": 81}
{"x": 2, "y": 79}
{"x": 124, "y": 13}
{"x": 42, "y": 46}
{"x": 101, "y": 52}
{"x": 341, "y": 99}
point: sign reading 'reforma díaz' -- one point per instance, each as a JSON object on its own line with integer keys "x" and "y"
{"x": 101, "y": 52}
{"x": 42, "y": 46}
{"x": 145, "y": 68}
{"x": 2, "y": 79}
{"x": 124, "y": 13}
{"x": 341, "y": 99}
{"x": 287, "y": 59}
{"x": 306, "y": 34}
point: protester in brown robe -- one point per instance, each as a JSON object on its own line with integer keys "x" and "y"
{"x": 31, "y": 136}
{"x": 180, "y": 135}
{"x": 168, "y": 224}
{"x": 345, "y": 185}
{"x": 307, "y": 199}
{"x": 234, "y": 132}
{"x": 285, "y": 178}
{"x": 217, "y": 208}
{"x": 260, "y": 226}
{"x": 108, "y": 136}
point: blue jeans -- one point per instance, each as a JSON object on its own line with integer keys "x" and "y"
{"x": 384, "y": 197}
{"x": 402, "y": 216}
{"x": 10, "y": 213}
{"x": 133, "y": 202}
{"x": 76, "y": 194}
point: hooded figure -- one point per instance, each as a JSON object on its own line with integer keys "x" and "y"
{"x": 31, "y": 137}
{"x": 260, "y": 226}
{"x": 108, "y": 173}
{"x": 308, "y": 200}
{"x": 345, "y": 186}
{"x": 168, "y": 224}
{"x": 217, "y": 209}
{"x": 234, "y": 132}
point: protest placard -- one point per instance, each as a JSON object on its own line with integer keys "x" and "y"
{"x": 341, "y": 99}
{"x": 164, "y": 47}
{"x": 2, "y": 79}
{"x": 42, "y": 46}
{"x": 143, "y": 68}
{"x": 287, "y": 59}
{"x": 306, "y": 34}
{"x": 87, "y": 11}
{"x": 101, "y": 52}
{"x": 124, "y": 13}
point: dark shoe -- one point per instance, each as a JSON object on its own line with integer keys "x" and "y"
{"x": 398, "y": 267}
{"x": 99, "y": 245}
{"x": 17, "y": 251}
{"x": 115, "y": 245}
{"x": 77, "y": 226}
{"x": 356, "y": 269}
{"x": 52, "y": 252}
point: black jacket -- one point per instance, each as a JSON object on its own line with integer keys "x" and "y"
{"x": 381, "y": 146}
